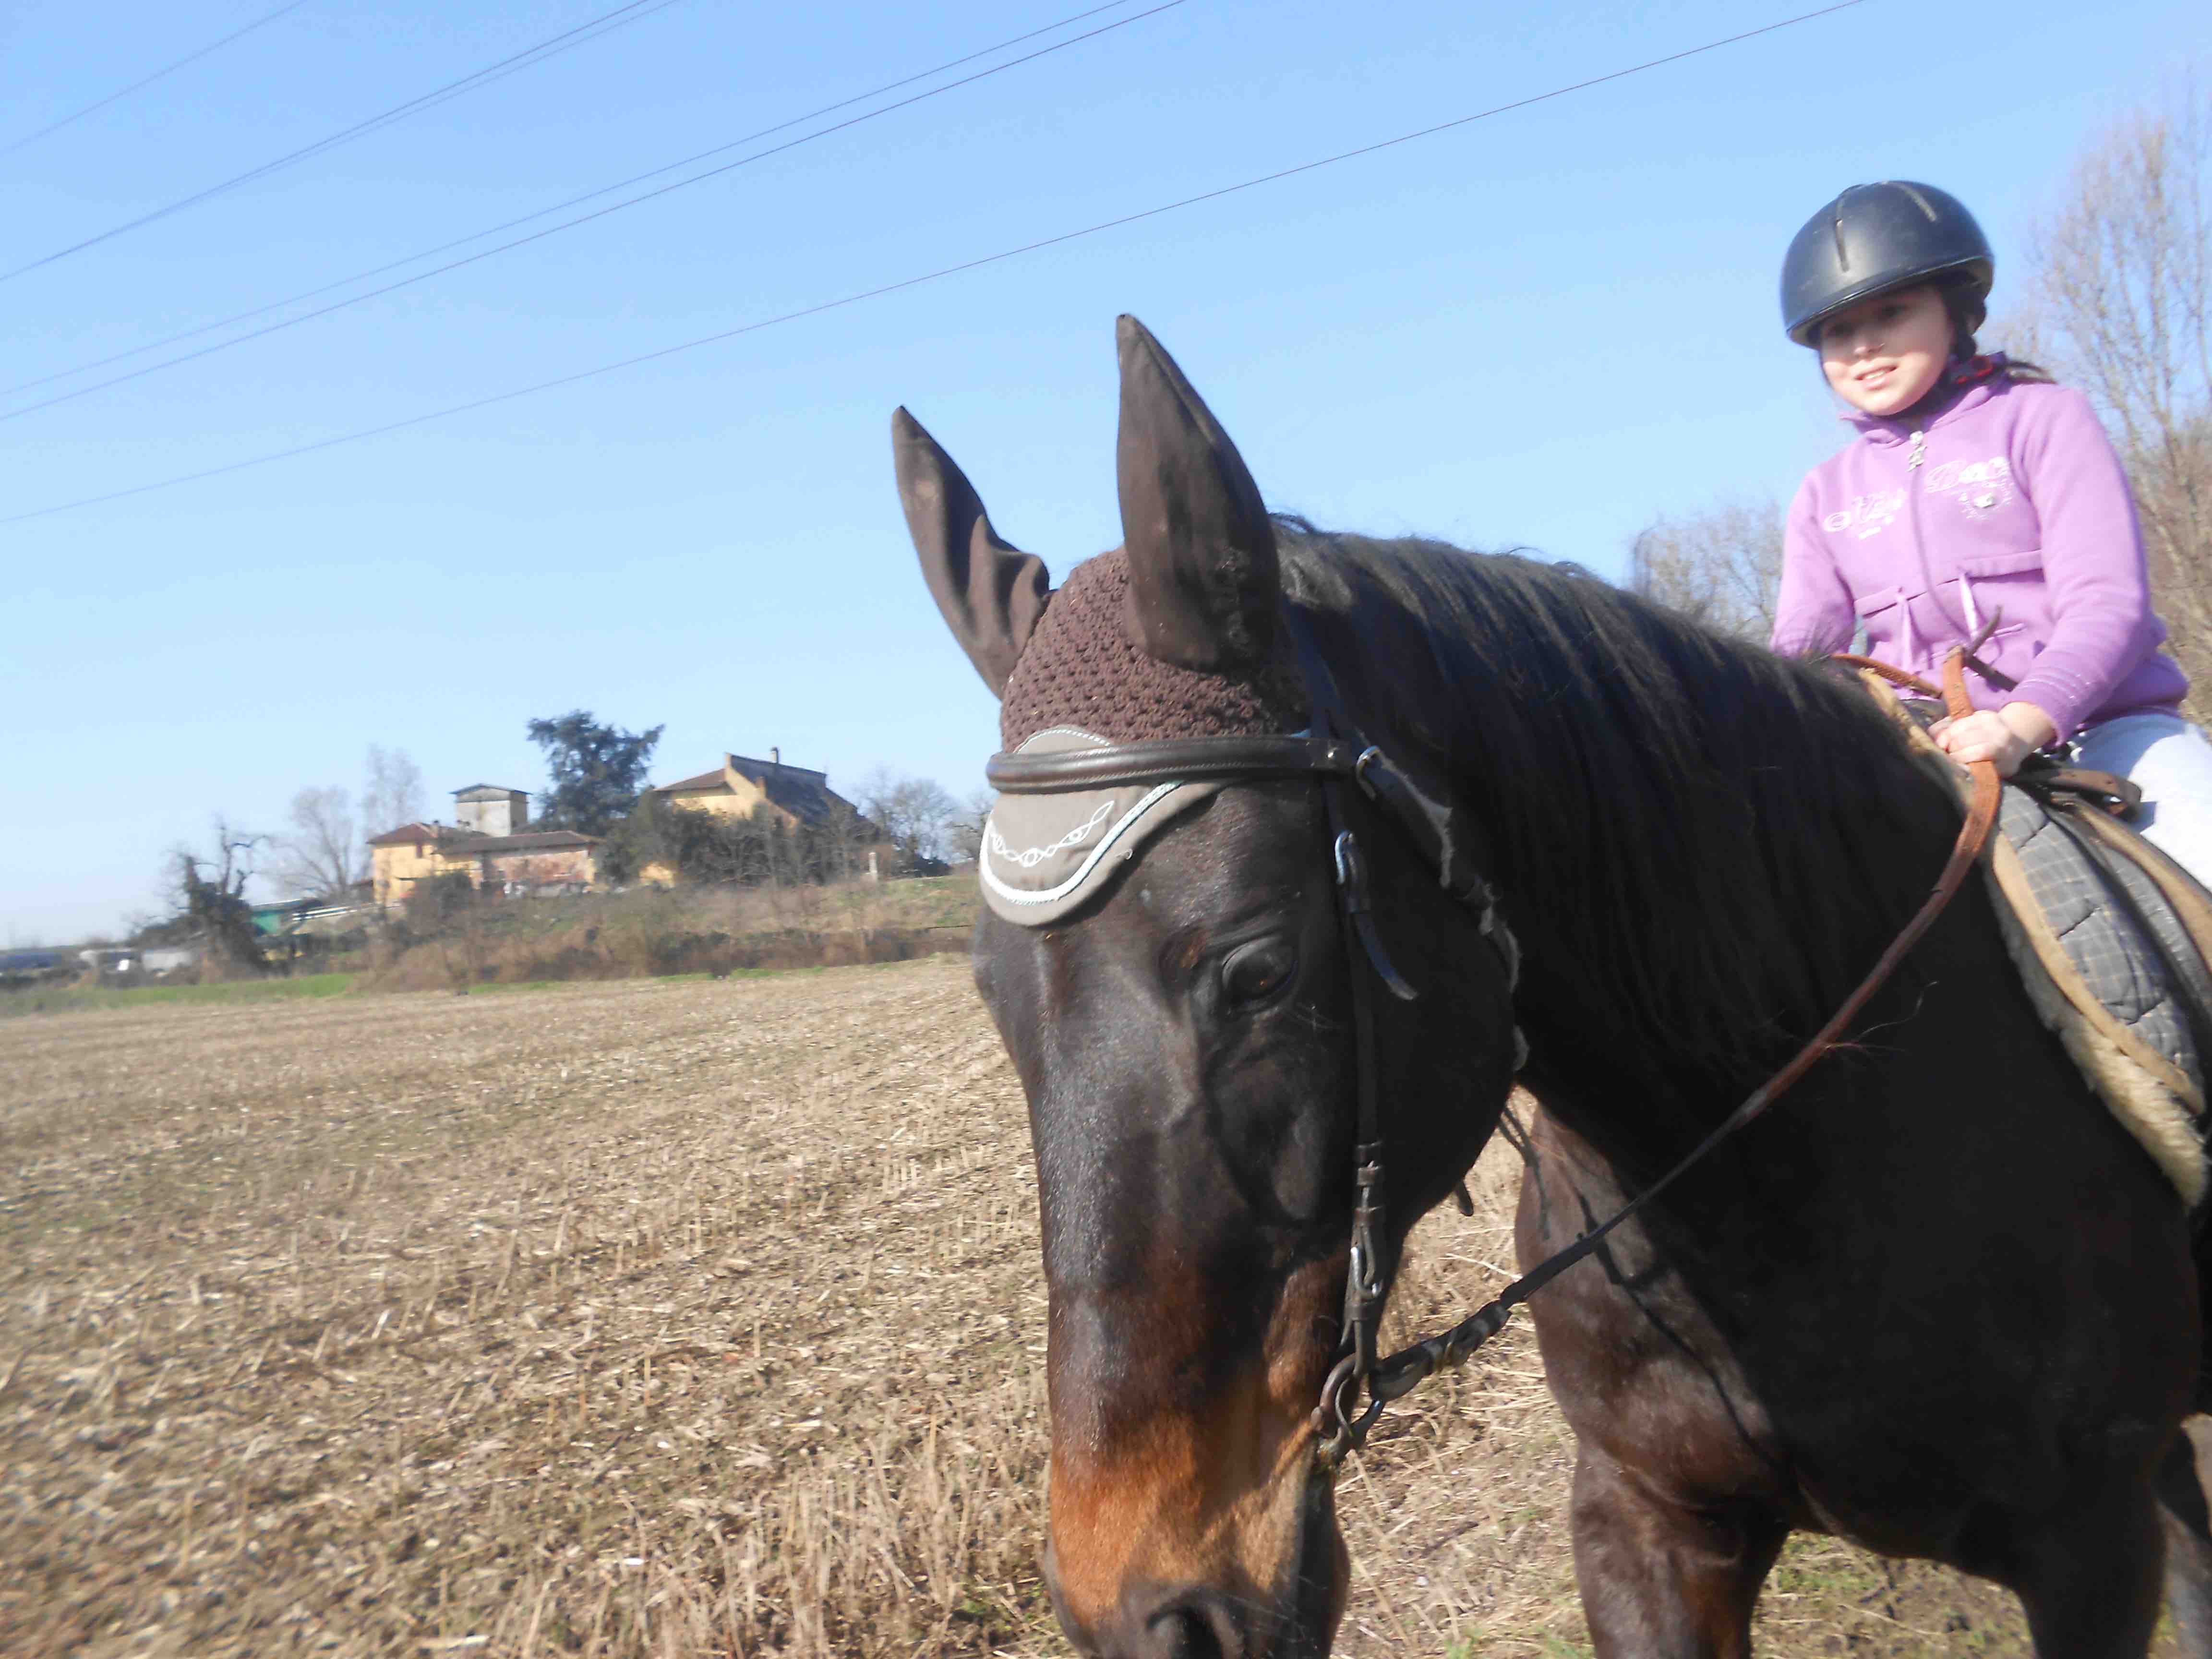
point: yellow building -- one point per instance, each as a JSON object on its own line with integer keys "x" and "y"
{"x": 743, "y": 785}
{"x": 531, "y": 861}
{"x": 399, "y": 859}
{"x": 797, "y": 795}
{"x": 492, "y": 845}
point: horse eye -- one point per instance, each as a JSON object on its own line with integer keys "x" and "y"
{"x": 1252, "y": 973}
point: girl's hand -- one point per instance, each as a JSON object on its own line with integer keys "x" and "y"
{"x": 2006, "y": 737}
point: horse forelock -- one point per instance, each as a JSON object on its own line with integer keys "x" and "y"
{"x": 1081, "y": 669}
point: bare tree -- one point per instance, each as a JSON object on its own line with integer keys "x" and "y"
{"x": 963, "y": 829}
{"x": 2120, "y": 281}
{"x": 914, "y": 813}
{"x": 392, "y": 795}
{"x": 1722, "y": 567}
{"x": 208, "y": 894}
{"x": 842, "y": 840}
{"x": 325, "y": 854}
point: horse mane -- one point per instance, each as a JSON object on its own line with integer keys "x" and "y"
{"x": 1704, "y": 845}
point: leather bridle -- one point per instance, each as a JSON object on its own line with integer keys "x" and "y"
{"x": 1330, "y": 754}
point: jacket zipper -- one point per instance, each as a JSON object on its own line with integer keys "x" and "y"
{"x": 1913, "y": 458}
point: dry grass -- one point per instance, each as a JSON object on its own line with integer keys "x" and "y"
{"x": 646, "y": 931}
{"x": 644, "y": 1319}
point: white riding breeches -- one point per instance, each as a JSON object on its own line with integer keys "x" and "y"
{"x": 2170, "y": 760}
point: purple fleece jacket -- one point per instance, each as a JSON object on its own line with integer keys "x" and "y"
{"x": 2005, "y": 496}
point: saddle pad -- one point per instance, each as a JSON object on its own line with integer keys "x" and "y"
{"x": 2111, "y": 940}
{"x": 1044, "y": 855}
{"x": 2123, "y": 937}
{"x": 2112, "y": 968}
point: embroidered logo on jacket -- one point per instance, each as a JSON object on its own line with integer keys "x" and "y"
{"x": 1979, "y": 488}
{"x": 1867, "y": 516}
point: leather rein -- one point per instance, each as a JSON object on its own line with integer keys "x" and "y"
{"x": 1338, "y": 764}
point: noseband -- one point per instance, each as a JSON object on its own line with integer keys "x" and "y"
{"x": 1337, "y": 764}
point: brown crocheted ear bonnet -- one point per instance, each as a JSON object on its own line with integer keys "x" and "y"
{"x": 1082, "y": 681}
{"x": 1081, "y": 669}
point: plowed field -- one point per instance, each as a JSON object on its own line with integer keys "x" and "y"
{"x": 645, "y": 1318}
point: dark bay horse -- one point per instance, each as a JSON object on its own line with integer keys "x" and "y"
{"x": 1936, "y": 1301}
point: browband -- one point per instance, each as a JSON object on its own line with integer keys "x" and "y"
{"x": 1433, "y": 824}
{"x": 1174, "y": 760}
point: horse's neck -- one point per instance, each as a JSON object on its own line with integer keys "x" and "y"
{"x": 1684, "y": 947}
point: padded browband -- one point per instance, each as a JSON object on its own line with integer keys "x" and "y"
{"x": 1175, "y": 760}
{"x": 1430, "y": 822}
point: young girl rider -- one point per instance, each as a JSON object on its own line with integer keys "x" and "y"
{"x": 1977, "y": 491}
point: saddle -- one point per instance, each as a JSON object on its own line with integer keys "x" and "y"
{"x": 2112, "y": 940}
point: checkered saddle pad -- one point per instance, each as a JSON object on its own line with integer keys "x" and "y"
{"x": 2114, "y": 939}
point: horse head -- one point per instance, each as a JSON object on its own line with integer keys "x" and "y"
{"x": 1168, "y": 966}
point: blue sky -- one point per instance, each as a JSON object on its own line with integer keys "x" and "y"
{"x": 1540, "y": 329}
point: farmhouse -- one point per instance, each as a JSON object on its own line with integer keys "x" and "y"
{"x": 797, "y": 795}
{"x": 741, "y": 786}
{"x": 492, "y": 845}
{"x": 400, "y": 859}
{"x": 529, "y": 861}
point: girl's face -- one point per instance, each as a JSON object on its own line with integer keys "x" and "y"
{"x": 1885, "y": 354}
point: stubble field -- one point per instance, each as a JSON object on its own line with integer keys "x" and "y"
{"x": 646, "y": 1318}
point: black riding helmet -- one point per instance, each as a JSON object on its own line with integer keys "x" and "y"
{"x": 1874, "y": 238}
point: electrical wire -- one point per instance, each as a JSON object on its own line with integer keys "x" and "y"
{"x": 364, "y": 433}
{"x": 552, "y": 47}
{"x": 147, "y": 81}
{"x": 597, "y": 213}
{"x": 374, "y": 272}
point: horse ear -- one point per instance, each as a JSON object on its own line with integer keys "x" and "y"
{"x": 1203, "y": 579}
{"x": 990, "y": 592}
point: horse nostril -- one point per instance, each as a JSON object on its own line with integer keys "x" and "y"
{"x": 1197, "y": 1624}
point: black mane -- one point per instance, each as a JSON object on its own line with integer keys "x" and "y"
{"x": 1703, "y": 844}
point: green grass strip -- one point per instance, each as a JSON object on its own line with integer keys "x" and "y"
{"x": 68, "y": 998}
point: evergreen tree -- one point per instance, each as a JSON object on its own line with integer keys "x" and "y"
{"x": 598, "y": 771}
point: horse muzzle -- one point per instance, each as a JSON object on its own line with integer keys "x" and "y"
{"x": 1153, "y": 1618}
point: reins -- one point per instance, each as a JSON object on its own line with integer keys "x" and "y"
{"x": 1402, "y": 1371}
{"x": 1336, "y": 763}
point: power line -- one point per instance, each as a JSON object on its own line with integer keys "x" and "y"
{"x": 597, "y": 213}
{"x": 374, "y": 271}
{"x": 591, "y": 29}
{"x": 938, "y": 275}
{"x": 148, "y": 81}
